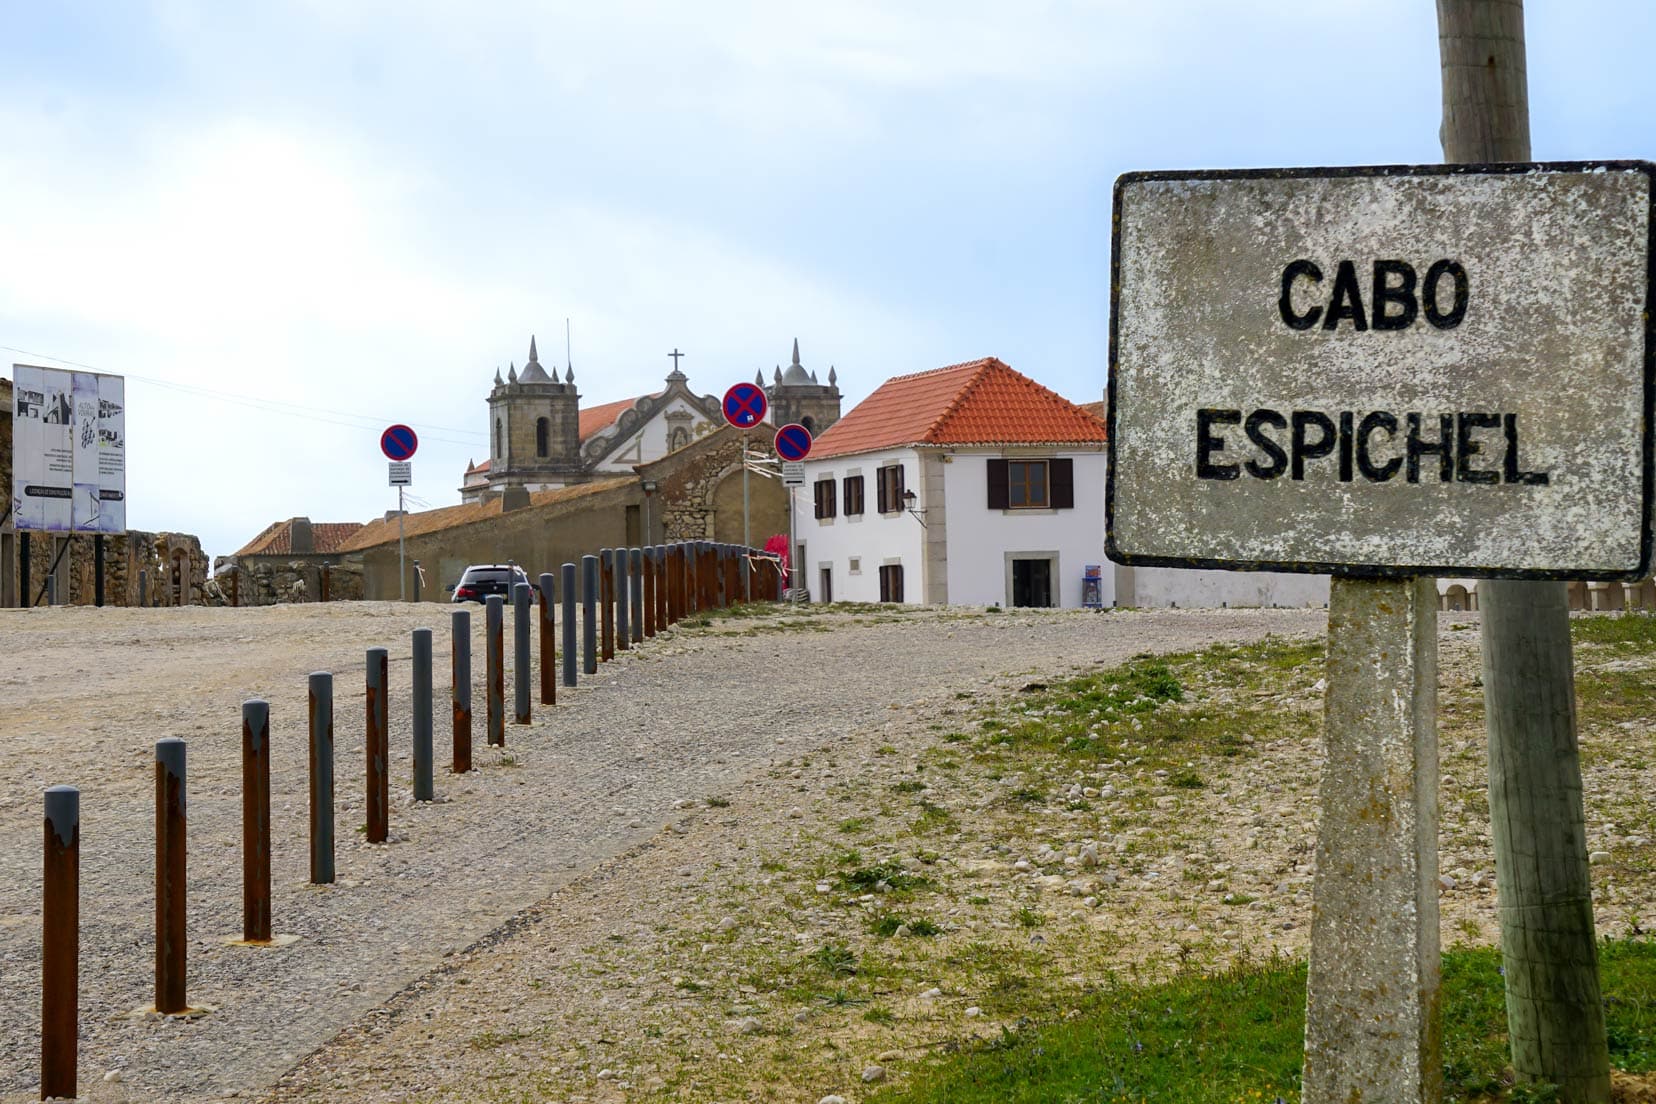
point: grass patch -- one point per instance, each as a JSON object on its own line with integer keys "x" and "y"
{"x": 1238, "y": 1036}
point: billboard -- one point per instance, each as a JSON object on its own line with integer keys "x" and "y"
{"x": 68, "y": 450}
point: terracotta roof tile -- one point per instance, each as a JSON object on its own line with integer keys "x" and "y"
{"x": 596, "y": 419}
{"x": 384, "y": 530}
{"x": 981, "y": 402}
{"x": 277, "y": 538}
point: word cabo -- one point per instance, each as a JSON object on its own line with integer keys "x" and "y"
{"x": 1366, "y": 446}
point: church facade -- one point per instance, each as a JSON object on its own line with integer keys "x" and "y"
{"x": 540, "y": 438}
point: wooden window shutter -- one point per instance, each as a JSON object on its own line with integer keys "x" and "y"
{"x": 1061, "y": 489}
{"x": 882, "y": 491}
{"x": 997, "y": 485}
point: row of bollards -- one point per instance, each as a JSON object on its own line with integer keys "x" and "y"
{"x": 642, "y": 591}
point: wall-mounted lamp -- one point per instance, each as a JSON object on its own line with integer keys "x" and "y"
{"x": 909, "y": 499}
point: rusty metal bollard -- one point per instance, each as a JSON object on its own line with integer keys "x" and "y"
{"x": 494, "y": 663}
{"x": 424, "y": 785}
{"x": 623, "y": 637}
{"x": 606, "y": 599}
{"x": 650, "y": 573}
{"x": 377, "y": 747}
{"x": 170, "y": 883}
{"x": 321, "y": 778}
{"x": 520, "y": 652}
{"x": 256, "y": 821}
{"x": 548, "y": 643}
{"x": 60, "y": 944}
{"x": 460, "y": 692}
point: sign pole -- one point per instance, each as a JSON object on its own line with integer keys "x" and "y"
{"x": 1555, "y": 1014}
{"x": 402, "y": 571}
{"x": 1374, "y": 929}
{"x": 793, "y": 552}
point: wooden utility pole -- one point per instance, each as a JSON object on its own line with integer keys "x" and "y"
{"x": 1555, "y": 1014}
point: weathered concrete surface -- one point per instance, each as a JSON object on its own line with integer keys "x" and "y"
{"x": 1209, "y": 316}
{"x": 1373, "y": 1028}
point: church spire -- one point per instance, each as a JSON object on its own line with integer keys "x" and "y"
{"x": 796, "y": 354}
{"x": 832, "y": 378}
{"x": 759, "y": 378}
{"x": 511, "y": 373}
{"x": 534, "y": 358}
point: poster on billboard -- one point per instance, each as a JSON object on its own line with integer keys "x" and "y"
{"x": 68, "y": 450}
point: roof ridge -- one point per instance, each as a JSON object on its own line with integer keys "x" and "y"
{"x": 978, "y": 363}
{"x": 984, "y": 366}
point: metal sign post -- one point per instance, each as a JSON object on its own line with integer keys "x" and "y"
{"x": 1364, "y": 372}
{"x": 399, "y": 443}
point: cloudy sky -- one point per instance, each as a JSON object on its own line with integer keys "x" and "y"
{"x": 290, "y": 224}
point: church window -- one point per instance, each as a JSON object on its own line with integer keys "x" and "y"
{"x": 497, "y": 450}
{"x": 810, "y": 425}
{"x": 543, "y": 434}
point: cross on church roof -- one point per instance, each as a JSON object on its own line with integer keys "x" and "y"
{"x": 675, "y": 354}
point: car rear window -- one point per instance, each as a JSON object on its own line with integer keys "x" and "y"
{"x": 486, "y": 575}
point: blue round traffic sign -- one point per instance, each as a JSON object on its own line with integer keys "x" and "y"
{"x": 745, "y": 405}
{"x": 793, "y": 442}
{"x": 399, "y": 442}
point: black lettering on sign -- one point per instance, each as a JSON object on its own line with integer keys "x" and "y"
{"x": 1376, "y": 419}
{"x": 1466, "y": 448}
{"x": 1347, "y": 301}
{"x": 1511, "y": 473}
{"x": 1277, "y": 459}
{"x": 1346, "y": 417}
{"x": 1386, "y": 296}
{"x": 1430, "y": 292}
{"x": 1444, "y": 447}
{"x": 1208, "y": 443}
{"x": 1304, "y": 449}
{"x": 1285, "y": 304}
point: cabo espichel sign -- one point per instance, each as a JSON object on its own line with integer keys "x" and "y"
{"x": 1384, "y": 371}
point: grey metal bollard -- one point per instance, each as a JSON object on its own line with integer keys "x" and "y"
{"x": 321, "y": 778}
{"x": 460, "y": 687}
{"x": 589, "y": 614}
{"x": 623, "y": 638}
{"x": 255, "y": 821}
{"x": 60, "y": 945}
{"x": 494, "y": 662}
{"x": 635, "y": 577}
{"x": 567, "y": 581}
{"x": 545, "y": 599}
{"x": 377, "y": 748}
{"x": 421, "y": 702}
{"x": 522, "y": 595}
{"x": 744, "y": 572}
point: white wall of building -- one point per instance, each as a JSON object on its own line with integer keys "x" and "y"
{"x": 980, "y": 539}
{"x": 871, "y": 539}
{"x": 1169, "y": 586}
{"x": 649, "y": 441}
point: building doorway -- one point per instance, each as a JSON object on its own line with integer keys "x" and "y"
{"x": 827, "y": 585}
{"x": 1032, "y": 583}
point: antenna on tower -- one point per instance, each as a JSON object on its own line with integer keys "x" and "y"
{"x": 569, "y": 360}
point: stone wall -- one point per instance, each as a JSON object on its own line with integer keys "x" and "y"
{"x": 273, "y": 580}
{"x": 699, "y": 491}
{"x": 156, "y": 569}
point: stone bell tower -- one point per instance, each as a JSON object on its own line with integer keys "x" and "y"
{"x": 534, "y": 428}
{"x": 796, "y": 396}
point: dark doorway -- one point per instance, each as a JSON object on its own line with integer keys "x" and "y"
{"x": 827, "y": 584}
{"x": 1032, "y": 583}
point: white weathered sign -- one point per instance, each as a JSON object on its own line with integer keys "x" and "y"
{"x": 1384, "y": 371}
{"x": 402, "y": 472}
{"x": 793, "y": 473}
{"x": 68, "y": 450}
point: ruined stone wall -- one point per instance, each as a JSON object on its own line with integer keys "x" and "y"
{"x": 272, "y": 580}
{"x": 156, "y": 569}
{"x": 700, "y": 496}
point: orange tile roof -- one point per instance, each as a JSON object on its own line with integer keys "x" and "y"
{"x": 596, "y": 419}
{"x": 981, "y": 402}
{"x": 384, "y": 530}
{"x": 277, "y": 538}
{"x": 1099, "y": 410}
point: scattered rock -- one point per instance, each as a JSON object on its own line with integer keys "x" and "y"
{"x": 873, "y": 1074}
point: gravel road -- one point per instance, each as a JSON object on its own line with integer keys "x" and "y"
{"x": 85, "y": 693}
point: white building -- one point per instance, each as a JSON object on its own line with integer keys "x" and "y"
{"x": 970, "y": 484}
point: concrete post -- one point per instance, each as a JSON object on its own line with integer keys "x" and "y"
{"x": 744, "y": 574}
{"x": 1373, "y": 1029}
{"x": 321, "y": 778}
{"x": 417, "y": 574}
{"x": 567, "y": 573}
{"x": 170, "y": 876}
{"x": 650, "y": 574}
{"x": 606, "y": 599}
{"x": 256, "y": 821}
{"x": 60, "y": 945}
{"x": 623, "y": 614}
{"x": 673, "y": 575}
{"x": 377, "y": 748}
{"x": 520, "y": 652}
{"x": 589, "y": 614}
{"x": 460, "y": 692}
{"x": 494, "y": 674}
{"x": 548, "y": 642}
{"x": 420, "y": 703}
{"x": 635, "y": 576}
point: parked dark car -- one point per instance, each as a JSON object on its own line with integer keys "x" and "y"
{"x": 479, "y": 581}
